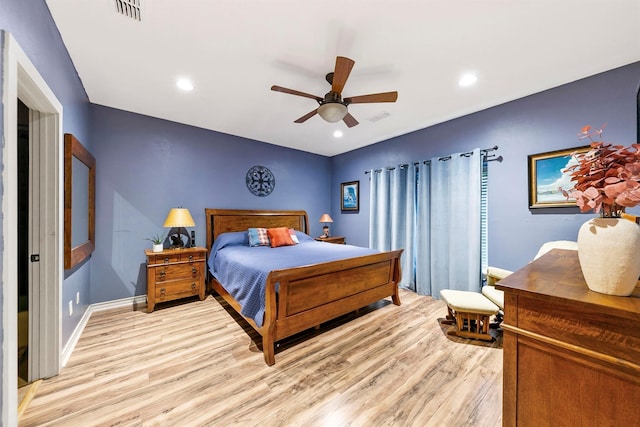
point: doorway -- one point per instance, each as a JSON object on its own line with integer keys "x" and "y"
{"x": 23, "y": 244}
{"x": 23, "y": 81}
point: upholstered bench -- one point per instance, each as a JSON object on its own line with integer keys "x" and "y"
{"x": 470, "y": 311}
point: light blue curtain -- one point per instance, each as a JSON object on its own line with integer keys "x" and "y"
{"x": 433, "y": 212}
{"x": 455, "y": 222}
{"x": 392, "y": 216}
{"x": 423, "y": 230}
{"x": 379, "y": 215}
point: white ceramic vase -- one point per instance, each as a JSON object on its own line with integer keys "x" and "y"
{"x": 609, "y": 253}
{"x": 157, "y": 248}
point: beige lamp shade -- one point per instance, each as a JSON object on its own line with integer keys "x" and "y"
{"x": 325, "y": 218}
{"x": 179, "y": 217}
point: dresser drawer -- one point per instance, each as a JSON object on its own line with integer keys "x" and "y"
{"x": 177, "y": 271}
{"x": 177, "y": 289}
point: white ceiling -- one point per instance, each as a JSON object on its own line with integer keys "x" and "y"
{"x": 234, "y": 51}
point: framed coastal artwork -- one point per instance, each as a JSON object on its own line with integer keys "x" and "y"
{"x": 547, "y": 178}
{"x": 350, "y": 192}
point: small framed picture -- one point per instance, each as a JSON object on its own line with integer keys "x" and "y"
{"x": 547, "y": 178}
{"x": 350, "y": 192}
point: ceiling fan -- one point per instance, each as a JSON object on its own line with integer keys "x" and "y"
{"x": 333, "y": 107}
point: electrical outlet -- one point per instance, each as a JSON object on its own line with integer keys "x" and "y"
{"x": 78, "y": 297}
{"x": 70, "y": 308}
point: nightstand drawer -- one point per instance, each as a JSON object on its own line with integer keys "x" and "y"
{"x": 177, "y": 289}
{"x": 177, "y": 271}
{"x": 172, "y": 258}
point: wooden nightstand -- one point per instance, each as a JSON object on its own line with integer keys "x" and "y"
{"x": 332, "y": 239}
{"x": 174, "y": 274}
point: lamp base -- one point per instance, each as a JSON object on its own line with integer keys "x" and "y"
{"x": 177, "y": 242}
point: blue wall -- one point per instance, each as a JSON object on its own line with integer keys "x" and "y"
{"x": 539, "y": 123}
{"x": 146, "y": 165}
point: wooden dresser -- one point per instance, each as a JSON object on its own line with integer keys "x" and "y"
{"x": 174, "y": 274}
{"x": 571, "y": 356}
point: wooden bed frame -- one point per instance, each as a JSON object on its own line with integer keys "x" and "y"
{"x": 311, "y": 294}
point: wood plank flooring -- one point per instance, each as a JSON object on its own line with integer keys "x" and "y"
{"x": 197, "y": 364}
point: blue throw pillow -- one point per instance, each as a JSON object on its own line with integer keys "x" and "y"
{"x": 258, "y": 237}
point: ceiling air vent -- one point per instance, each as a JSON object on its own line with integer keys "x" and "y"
{"x": 129, "y": 8}
{"x": 381, "y": 115}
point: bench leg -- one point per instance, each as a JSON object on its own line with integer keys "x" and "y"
{"x": 497, "y": 321}
{"x": 451, "y": 319}
{"x": 470, "y": 325}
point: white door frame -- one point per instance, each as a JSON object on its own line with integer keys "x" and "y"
{"x": 22, "y": 80}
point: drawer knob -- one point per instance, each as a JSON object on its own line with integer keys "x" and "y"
{"x": 193, "y": 286}
{"x": 190, "y": 258}
{"x": 163, "y": 291}
{"x": 166, "y": 260}
{"x": 193, "y": 270}
{"x": 162, "y": 273}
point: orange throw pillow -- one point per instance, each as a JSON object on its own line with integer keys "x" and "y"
{"x": 280, "y": 237}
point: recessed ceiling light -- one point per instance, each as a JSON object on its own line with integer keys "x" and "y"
{"x": 337, "y": 134}
{"x": 468, "y": 80}
{"x": 184, "y": 84}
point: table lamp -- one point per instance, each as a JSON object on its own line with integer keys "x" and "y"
{"x": 326, "y": 219}
{"x": 179, "y": 218}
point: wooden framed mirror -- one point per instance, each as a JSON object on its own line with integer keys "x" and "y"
{"x": 79, "y": 202}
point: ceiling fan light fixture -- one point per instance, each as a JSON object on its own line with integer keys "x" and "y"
{"x": 332, "y": 111}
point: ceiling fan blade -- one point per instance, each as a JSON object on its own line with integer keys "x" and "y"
{"x": 306, "y": 116}
{"x": 349, "y": 120}
{"x": 295, "y": 92}
{"x": 341, "y": 73}
{"x": 374, "y": 97}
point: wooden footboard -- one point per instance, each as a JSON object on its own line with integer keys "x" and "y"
{"x": 310, "y": 295}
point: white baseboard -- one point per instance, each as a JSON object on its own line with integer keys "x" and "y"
{"x": 100, "y": 306}
{"x": 118, "y": 303}
{"x": 75, "y": 336}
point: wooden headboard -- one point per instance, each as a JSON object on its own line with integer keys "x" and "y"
{"x": 226, "y": 220}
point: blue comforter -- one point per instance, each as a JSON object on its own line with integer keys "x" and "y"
{"x": 242, "y": 270}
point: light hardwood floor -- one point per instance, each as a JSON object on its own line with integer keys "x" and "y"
{"x": 197, "y": 364}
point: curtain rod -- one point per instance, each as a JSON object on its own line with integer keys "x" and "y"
{"x": 484, "y": 151}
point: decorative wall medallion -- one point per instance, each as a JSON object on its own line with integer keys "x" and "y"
{"x": 260, "y": 181}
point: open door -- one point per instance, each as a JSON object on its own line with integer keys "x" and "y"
{"x": 22, "y": 81}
